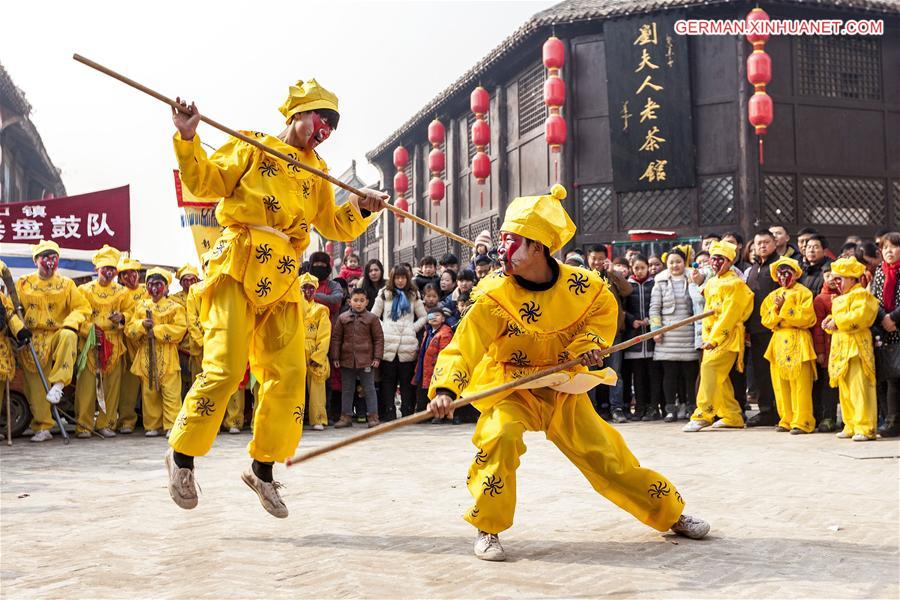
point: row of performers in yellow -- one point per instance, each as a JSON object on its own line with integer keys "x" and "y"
{"x": 788, "y": 312}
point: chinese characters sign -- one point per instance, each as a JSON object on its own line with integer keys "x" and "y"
{"x": 649, "y": 88}
{"x": 83, "y": 222}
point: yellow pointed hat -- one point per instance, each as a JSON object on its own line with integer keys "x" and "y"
{"x": 187, "y": 269}
{"x": 541, "y": 218}
{"x": 309, "y": 279}
{"x": 848, "y": 267}
{"x": 785, "y": 261}
{"x": 307, "y": 95}
{"x": 126, "y": 263}
{"x": 107, "y": 256}
{"x": 160, "y": 272}
{"x": 43, "y": 246}
{"x": 726, "y": 249}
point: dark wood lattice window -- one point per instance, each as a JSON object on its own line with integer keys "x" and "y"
{"x": 469, "y": 121}
{"x": 656, "y": 208}
{"x": 843, "y": 201}
{"x": 779, "y": 199}
{"x": 896, "y": 193}
{"x": 407, "y": 255}
{"x": 839, "y": 67}
{"x": 532, "y": 110}
{"x": 596, "y": 208}
{"x": 717, "y": 201}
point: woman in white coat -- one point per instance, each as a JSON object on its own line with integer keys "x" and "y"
{"x": 402, "y": 315}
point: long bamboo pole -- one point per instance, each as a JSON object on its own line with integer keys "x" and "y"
{"x": 280, "y": 155}
{"x": 464, "y": 401}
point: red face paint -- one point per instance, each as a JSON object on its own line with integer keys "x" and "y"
{"x": 187, "y": 281}
{"x": 509, "y": 245}
{"x": 718, "y": 263}
{"x": 321, "y": 131}
{"x": 129, "y": 279}
{"x": 785, "y": 277}
{"x": 308, "y": 292}
{"x": 107, "y": 274}
{"x": 157, "y": 288}
{"x": 48, "y": 263}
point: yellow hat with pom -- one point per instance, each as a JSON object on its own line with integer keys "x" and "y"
{"x": 309, "y": 279}
{"x": 307, "y": 95}
{"x": 541, "y": 218}
{"x": 44, "y": 246}
{"x": 848, "y": 267}
{"x": 126, "y": 263}
{"x": 726, "y": 249}
{"x": 187, "y": 270}
{"x": 107, "y": 256}
{"x": 160, "y": 272}
{"x": 784, "y": 261}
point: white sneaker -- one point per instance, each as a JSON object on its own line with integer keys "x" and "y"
{"x": 318, "y": 427}
{"x": 720, "y": 424}
{"x": 234, "y": 431}
{"x": 55, "y": 394}
{"x": 267, "y": 492}
{"x": 487, "y": 547}
{"x": 151, "y": 433}
{"x": 691, "y": 527}
{"x": 862, "y": 438}
{"x": 83, "y": 435}
{"x": 181, "y": 483}
{"x": 42, "y": 436}
{"x": 168, "y": 433}
{"x": 693, "y": 426}
{"x": 842, "y": 435}
{"x": 106, "y": 432}
{"x": 126, "y": 430}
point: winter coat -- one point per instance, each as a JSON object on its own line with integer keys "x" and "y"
{"x": 356, "y": 340}
{"x": 438, "y": 342}
{"x": 667, "y": 307}
{"x": 892, "y": 337}
{"x": 637, "y": 308}
{"x": 620, "y": 290}
{"x": 420, "y": 281}
{"x": 761, "y": 283}
{"x": 822, "y": 306}
{"x": 813, "y": 277}
{"x": 400, "y": 336}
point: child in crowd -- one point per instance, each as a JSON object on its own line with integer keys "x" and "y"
{"x": 825, "y": 397}
{"x": 437, "y": 334}
{"x": 357, "y": 347}
{"x": 427, "y": 274}
{"x": 646, "y": 375}
{"x": 351, "y": 270}
{"x": 482, "y": 245}
{"x": 482, "y": 267}
{"x": 448, "y": 283}
{"x": 656, "y": 265}
{"x": 622, "y": 267}
{"x": 462, "y": 305}
{"x": 431, "y": 296}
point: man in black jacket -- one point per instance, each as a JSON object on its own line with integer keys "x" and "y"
{"x": 813, "y": 274}
{"x": 760, "y": 281}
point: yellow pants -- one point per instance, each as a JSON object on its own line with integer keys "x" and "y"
{"x": 86, "y": 398}
{"x": 572, "y": 424}
{"x": 859, "y": 406}
{"x": 63, "y": 347}
{"x": 234, "y": 413}
{"x": 715, "y": 397}
{"x": 128, "y": 397}
{"x": 160, "y": 408}
{"x": 793, "y": 398}
{"x": 273, "y": 342}
{"x": 316, "y": 399}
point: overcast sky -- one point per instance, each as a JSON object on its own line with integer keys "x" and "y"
{"x": 384, "y": 60}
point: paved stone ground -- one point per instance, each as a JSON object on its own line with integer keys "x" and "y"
{"x": 796, "y": 517}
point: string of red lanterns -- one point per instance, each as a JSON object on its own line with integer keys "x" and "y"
{"x": 554, "y": 57}
{"x": 479, "y": 102}
{"x": 760, "y": 109}
{"x": 436, "y": 162}
{"x": 401, "y": 183}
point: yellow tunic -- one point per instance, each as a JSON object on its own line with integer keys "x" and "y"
{"x": 135, "y": 296}
{"x": 192, "y": 342}
{"x": 103, "y": 301}
{"x": 7, "y": 358}
{"x": 732, "y": 301}
{"x": 854, "y": 313}
{"x": 169, "y": 326}
{"x": 791, "y": 343}
{"x": 50, "y": 305}
{"x": 267, "y": 209}
{"x": 318, "y": 338}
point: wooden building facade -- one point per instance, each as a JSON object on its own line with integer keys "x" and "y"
{"x": 832, "y": 154}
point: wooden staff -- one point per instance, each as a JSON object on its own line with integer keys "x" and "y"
{"x": 8, "y": 417}
{"x": 280, "y": 155}
{"x": 460, "y": 402}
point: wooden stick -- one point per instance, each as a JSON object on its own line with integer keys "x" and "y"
{"x": 310, "y": 169}
{"x": 460, "y": 402}
{"x": 8, "y": 417}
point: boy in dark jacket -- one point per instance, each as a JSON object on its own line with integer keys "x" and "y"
{"x": 427, "y": 274}
{"x": 639, "y": 362}
{"x": 357, "y": 347}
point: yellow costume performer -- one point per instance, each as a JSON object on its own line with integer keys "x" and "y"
{"x": 723, "y": 333}
{"x": 161, "y": 405}
{"x": 131, "y": 383}
{"x": 790, "y": 352}
{"x": 250, "y": 301}
{"x": 851, "y": 365}
{"x": 318, "y": 337}
{"x": 190, "y": 346}
{"x": 515, "y": 328}
{"x": 105, "y": 301}
{"x": 15, "y": 325}
{"x": 54, "y": 311}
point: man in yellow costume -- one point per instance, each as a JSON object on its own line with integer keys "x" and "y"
{"x": 789, "y": 313}
{"x": 533, "y": 314}
{"x": 130, "y": 277}
{"x": 161, "y": 395}
{"x": 190, "y": 348}
{"x": 10, "y": 321}
{"x": 318, "y": 338}
{"x": 111, "y": 306}
{"x": 851, "y": 365}
{"x": 54, "y": 311}
{"x": 722, "y": 343}
{"x": 250, "y": 301}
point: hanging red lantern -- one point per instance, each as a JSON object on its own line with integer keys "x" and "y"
{"x": 554, "y": 56}
{"x": 436, "y": 161}
{"x": 554, "y": 53}
{"x": 436, "y": 190}
{"x": 757, "y": 14}
{"x": 401, "y": 157}
{"x": 436, "y": 133}
{"x": 481, "y": 133}
{"x": 554, "y": 91}
{"x": 348, "y": 251}
{"x": 759, "y": 69}
{"x": 402, "y": 204}
{"x": 329, "y": 247}
{"x": 760, "y": 109}
{"x": 481, "y": 166}
{"x": 479, "y": 101}
{"x": 555, "y": 131}
{"x": 401, "y": 183}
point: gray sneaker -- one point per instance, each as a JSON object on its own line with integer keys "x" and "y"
{"x": 487, "y": 547}
{"x": 182, "y": 487}
{"x": 106, "y": 432}
{"x": 691, "y": 527}
{"x": 267, "y": 492}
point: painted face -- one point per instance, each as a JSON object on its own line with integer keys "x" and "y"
{"x": 843, "y": 284}
{"x": 47, "y": 264}
{"x": 512, "y": 251}
{"x": 157, "y": 288}
{"x": 105, "y": 275}
{"x": 785, "y": 276}
{"x": 187, "y": 281}
{"x": 719, "y": 264}
{"x": 321, "y": 131}
{"x": 131, "y": 279}
{"x": 308, "y": 292}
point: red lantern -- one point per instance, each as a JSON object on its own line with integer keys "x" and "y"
{"x": 436, "y": 133}
{"x": 555, "y": 131}
{"x": 436, "y": 189}
{"x": 761, "y": 112}
{"x": 554, "y": 53}
{"x": 760, "y": 109}
{"x": 757, "y": 14}
{"x": 481, "y": 133}
{"x": 348, "y": 251}
{"x": 481, "y": 166}
{"x": 401, "y": 183}
{"x": 480, "y": 101}
{"x": 436, "y": 161}
{"x": 329, "y": 247}
{"x": 401, "y": 157}
{"x": 554, "y": 91}
{"x": 402, "y": 204}
{"x": 759, "y": 69}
